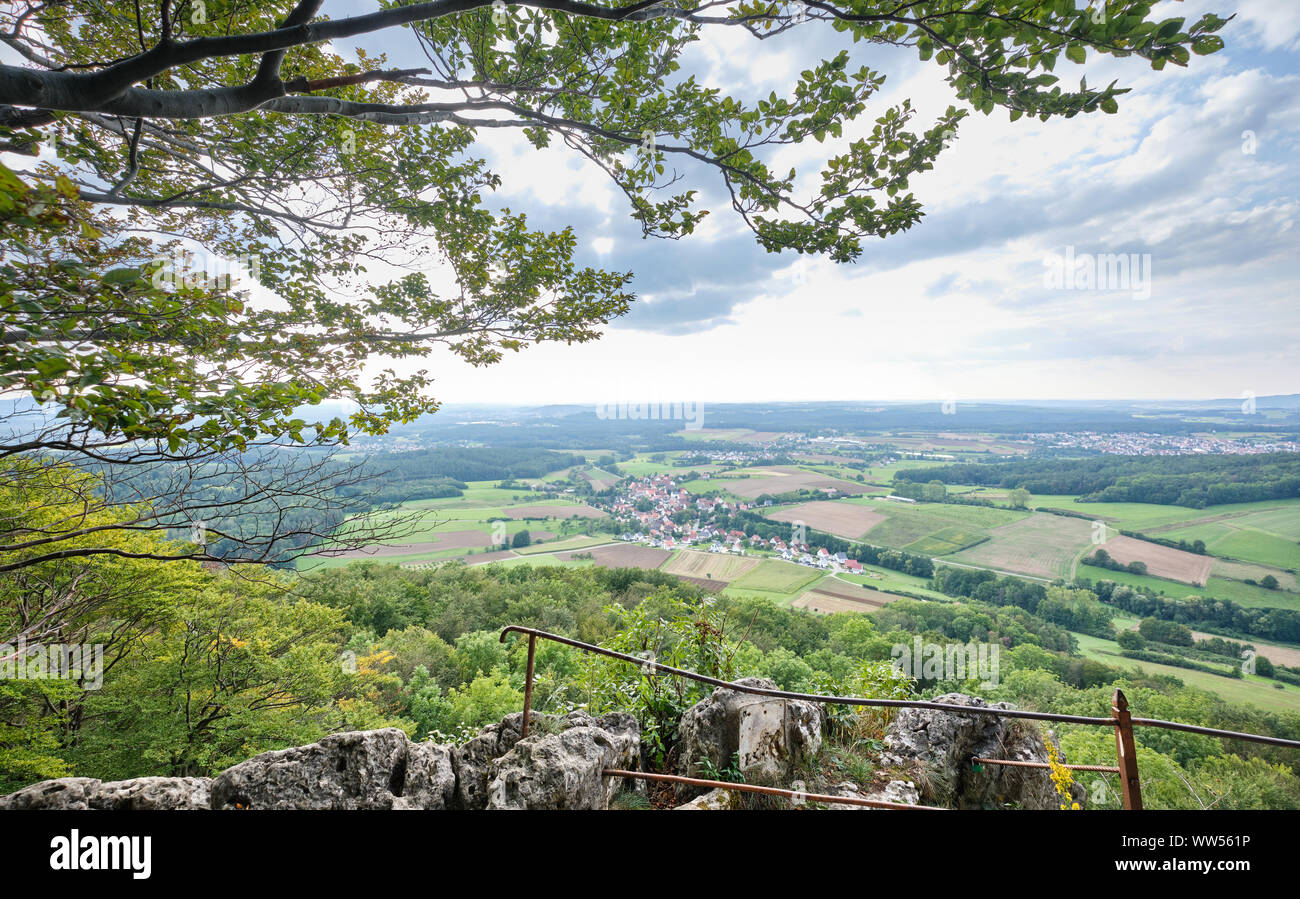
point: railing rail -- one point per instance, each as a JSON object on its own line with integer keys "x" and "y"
{"x": 1122, "y": 721}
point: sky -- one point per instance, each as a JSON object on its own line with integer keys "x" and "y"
{"x": 1196, "y": 181}
{"x": 958, "y": 306}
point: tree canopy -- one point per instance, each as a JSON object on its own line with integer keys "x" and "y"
{"x": 165, "y": 139}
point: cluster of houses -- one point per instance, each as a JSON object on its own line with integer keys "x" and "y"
{"x": 1150, "y": 444}
{"x": 649, "y": 505}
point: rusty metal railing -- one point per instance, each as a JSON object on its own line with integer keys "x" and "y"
{"x": 796, "y": 795}
{"x": 1122, "y": 720}
{"x": 1013, "y": 763}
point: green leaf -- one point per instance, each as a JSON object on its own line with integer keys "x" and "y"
{"x": 121, "y": 276}
{"x": 1169, "y": 28}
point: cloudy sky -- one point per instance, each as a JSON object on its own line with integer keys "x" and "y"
{"x": 1198, "y": 177}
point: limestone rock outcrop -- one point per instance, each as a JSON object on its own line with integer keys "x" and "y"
{"x": 939, "y": 746}
{"x": 558, "y": 765}
{"x": 79, "y": 793}
{"x": 765, "y": 737}
{"x": 562, "y": 770}
{"x": 927, "y": 760}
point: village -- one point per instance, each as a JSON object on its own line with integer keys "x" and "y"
{"x": 655, "y": 511}
{"x": 1149, "y": 444}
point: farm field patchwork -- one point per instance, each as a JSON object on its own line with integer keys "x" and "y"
{"x": 1255, "y": 690}
{"x": 1161, "y": 561}
{"x": 775, "y": 576}
{"x": 448, "y": 540}
{"x": 1217, "y": 587}
{"x": 641, "y": 467}
{"x": 1270, "y": 536}
{"x": 906, "y": 523}
{"x": 732, "y": 435}
{"x": 622, "y": 555}
{"x": 965, "y": 443}
{"x": 827, "y": 602}
{"x": 579, "y": 542}
{"x": 1244, "y": 571}
{"x": 1151, "y": 519}
{"x": 722, "y": 567}
{"x": 889, "y": 581}
{"x": 441, "y": 529}
{"x": 944, "y": 541}
{"x": 1039, "y": 545}
{"x": 777, "y": 479}
{"x": 551, "y": 510}
{"x": 843, "y": 519}
{"x": 601, "y": 479}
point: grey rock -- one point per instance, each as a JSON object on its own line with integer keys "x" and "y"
{"x": 766, "y": 736}
{"x": 716, "y": 800}
{"x": 939, "y": 746}
{"x": 558, "y": 766}
{"x": 473, "y": 759}
{"x": 562, "y": 769}
{"x": 897, "y": 791}
{"x": 356, "y": 770}
{"x": 901, "y": 791}
{"x": 62, "y": 793}
{"x": 430, "y": 778}
{"x": 69, "y": 793}
{"x": 164, "y": 793}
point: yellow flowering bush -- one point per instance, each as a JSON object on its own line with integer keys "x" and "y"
{"x": 1062, "y": 779}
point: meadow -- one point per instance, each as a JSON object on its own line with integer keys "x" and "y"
{"x": 462, "y": 527}
{"x": 1270, "y": 536}
{"x": 1253, "y": 689}
{"x": 1218, "y": 587}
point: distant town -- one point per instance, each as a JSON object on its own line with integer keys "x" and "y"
{"x": 655, "y": 511}
{"x": 1146, "y": 444}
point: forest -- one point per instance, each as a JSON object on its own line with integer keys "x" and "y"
{"x": 442, "y": 471}
{"x": 204, "y": 668}
{"x": 1193, "y": 481}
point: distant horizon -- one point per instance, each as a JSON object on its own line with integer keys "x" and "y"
{"x": 972, "y": 401}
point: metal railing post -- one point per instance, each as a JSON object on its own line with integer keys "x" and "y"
{"x": 528, "y": 686}
{"x": 1126, "y": 751}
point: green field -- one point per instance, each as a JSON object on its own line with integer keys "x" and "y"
{"x": 484, "y": 509}
{"x": 1217, "y": 587}
{"x": 890, "y": 581}
{"x": 1129, "y": 516}
{"x": 481, "y": 494}
{"x": 884, "y": 474}
{"x": 777, "y": 576}
{"x": 1269, "y": 536}
{"x": 947, "y": 540}
{"x": 641, "y": 467}
{"x": 704, "y": 435}
{"x": 581, "y": 541}
{"x": 1267, "y": 532}
{"x": 906, "y": 523}
{"x": 541, "y": 561}
{"x": 1258, "y": 691}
